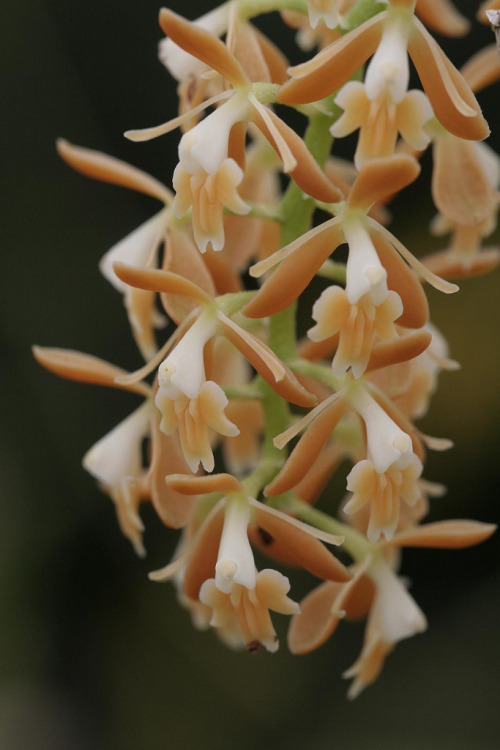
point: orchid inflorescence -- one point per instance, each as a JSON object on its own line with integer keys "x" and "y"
{"x": 227, "y": 382}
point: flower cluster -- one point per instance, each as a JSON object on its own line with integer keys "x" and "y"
{"x": 223, "y": 389}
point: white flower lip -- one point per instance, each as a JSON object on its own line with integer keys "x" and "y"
{"x": 389, "y": 69}
{"x": 117, "y": 455}
{"x": 395, "y": 613}
{"x": 183, "y": 371}
{"x": 205, "y": 146}
{"x": 388, "y": 445}
{"x": 235, "y": 562}
{"x": 365, "y": 273}
{"x": 134, "y": 250}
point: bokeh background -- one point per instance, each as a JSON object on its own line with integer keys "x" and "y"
{"x": 93, "y": 655}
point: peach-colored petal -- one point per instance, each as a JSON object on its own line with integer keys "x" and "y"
{"x": 164, "y": 282}
{"x": 84, "y": 368}
{"x": 450, "y": 265}
{"x": 314, "y": 350}
{"x": 203, "y": 45}
{"x": 402, "y": 349}
{"x": 333, "y": 66}
{"x": 418, "y": 266}
{"x": 241, "y": 453}
{"x": 297, "y": 159}
{"x": 173, "y": 508}
{"x": 276, "y": 61}
{"x": 106, "y": 168}
{"x": 203, "y": 558}
{"x": 223, "y": 273}
{"x": 402, "y": 280}
{"x": 445, "y": 534}
{"x": 309, "y": 552}
{"x": 303, "y": 258}
{"x": 379, "y": 178}
{"x": 323, "y": 609}
{"x": 236, "y": 146}
{"x": 307, "y": 449}
{"x": 309, "y": 488}
{"x": 241, "y": 41}
{"x": 460, "y": 186}
{"x": 482, "y": 69}
{"x": 454, "y": 104}
{"x": 315, "y": 624}
{"x": 183, "y": 258}
{"x": 266, "y": 363}
{"x": 443, "y": 17}
{"x": 368, "y": 666}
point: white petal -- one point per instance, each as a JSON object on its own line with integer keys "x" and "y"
{"x": 135, "y": 249}
{"x": 183, "y": 371}
{"x": 235, "y": 562}
{"x": 395, "y": 613}
{"x": 118, "y": 455}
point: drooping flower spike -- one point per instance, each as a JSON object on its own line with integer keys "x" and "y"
{"x": 390, "y": 34}
{"x": 210, "y": 167}
{"x": 369, "y": 363}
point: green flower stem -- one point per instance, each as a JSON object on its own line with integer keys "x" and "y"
{"x": 297, "y": 211}
{"x": 243, "y": 392}
{"x": 354, "y": 543}
{"x": 333, "y": 271}
{"x": 264, "y": 211}
{"x": 232, "y": 302}
{"x": 251, "y": 8}
{"x": 264, "y": 473}
{"x": 322, "y": 373}
{"x": 362, "y": 11}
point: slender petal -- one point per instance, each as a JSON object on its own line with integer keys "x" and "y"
{"x": 445, "y": 534}
{"x": 106, "y": 168}
{"x": 165, "y": 282}
{"x": 307, "y": 449}
{"x": 387, "y": 353}
{"x": 333, "y": 66}
{"x": 297, "y": 159}
{"x": 453, "y": 102}
{"x": 283, "y": 381}
{"x": 203, "y": 45}
{"x": 443, "y": 17}
{"x": 85, "y": 368}
{"x": 303, "y": 258}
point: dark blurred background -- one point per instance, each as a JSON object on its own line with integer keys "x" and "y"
{"x": 92, "y": 654}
